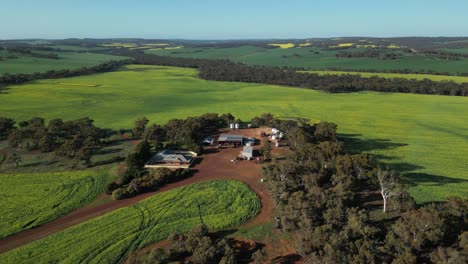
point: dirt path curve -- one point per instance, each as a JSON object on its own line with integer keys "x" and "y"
{"x": 213, "y": 166}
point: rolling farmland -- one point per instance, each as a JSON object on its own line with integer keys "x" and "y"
{"x": 111, "y": 237}
{"x": 312, "y": 58}
{"x": 31, "y": 199}
{"x": 424, "y": 136}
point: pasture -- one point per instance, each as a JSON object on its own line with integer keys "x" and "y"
{"x": 433, "y": 77}
{"x": 32, "y": 199}
{"x": 111, "y": 237}
{"x": 312, "y": 58}
{"x": 424, "y": 136}
{"x": 68, "y": 60}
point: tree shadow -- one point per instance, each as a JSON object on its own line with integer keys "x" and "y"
{"x": 108, "y": 151}
{"x": 291, "y": 258}
{"x": 119, "y": 141}
{"x": 414, "y": 179}
{"x": 111, "y": 160}
{"x": 39, "y": 163}
{"x": 355, "y": 144}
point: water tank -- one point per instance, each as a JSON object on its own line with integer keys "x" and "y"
{"x": 231, "y": 126}
{"x": 237, "y": 125}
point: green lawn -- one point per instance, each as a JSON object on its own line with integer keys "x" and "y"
{"x": 110, "y": 238}
{"x": 68, "y": 60}
{"x": 425, "y": 136}
{"x": 32, "y": 199}
{"x": 457, "y": 79}
{"x": 307, "y": 58}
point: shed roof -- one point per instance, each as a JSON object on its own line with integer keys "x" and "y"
{"x": 230, "y": 137}
{"x": 171, "y": 156}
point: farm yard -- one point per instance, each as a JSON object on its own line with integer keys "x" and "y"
{"x": 111, "y": 237}
{"x": 424, "y": 136}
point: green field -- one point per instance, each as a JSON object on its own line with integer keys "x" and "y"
{"x": 68, "y": 60}
{"x": 110, "y": 238}
{"x": 305, "y": 57}
{"x": 424, "y": 136}
{"x": 32, "y": 199}
{"x": 433, "y": 77}
{"x": 461, "y": 50}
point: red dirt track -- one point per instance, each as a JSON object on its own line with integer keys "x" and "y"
{"x": 212, "y": 166}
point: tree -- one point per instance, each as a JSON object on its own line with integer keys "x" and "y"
{"x": 84, "y": 154}
{"x": 156, "y": 135}
{"x": 140, "y": 125}
{"x": 259, "y": 256}
{"x": 265, "y": 149}
{"x": 415, "y": 231}
{"x": 6, "y": 126}
{"x": 15, "y": 158}
{"x": 389, "y": 185}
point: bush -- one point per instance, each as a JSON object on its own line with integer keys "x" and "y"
{"x": 112, "y": 187}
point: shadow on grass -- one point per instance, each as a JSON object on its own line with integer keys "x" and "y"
{"x": 40, "y": 163}
{"x": 108, "y": 151}
{"x": 355, "y": 144}
{"x": 108, "y": 161}
{"x": 413, "y": 179}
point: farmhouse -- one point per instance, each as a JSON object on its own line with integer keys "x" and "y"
{"x": 173, "y": 159}
{"x": 247, "y": 152}
{"x": 230, "y": 140}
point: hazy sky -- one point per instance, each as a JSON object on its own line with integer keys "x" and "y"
{"x": 232, "y": 19}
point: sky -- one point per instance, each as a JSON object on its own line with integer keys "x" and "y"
{"x": 231, "y": 19}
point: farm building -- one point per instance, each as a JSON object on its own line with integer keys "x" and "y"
{"x": 174, "y": 159}
{"x": 230, "y": 140}
{"x": 247, "y": 152}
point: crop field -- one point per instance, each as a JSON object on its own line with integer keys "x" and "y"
{"x": 309, "y": 59}
{"x": 461, "y": 50}
{"x": 111, "y": 237}
{"x": 433, "y": 77}
{"x": 68, "y": 60}
{"x": 424, "y": 136}
{"x": 31, "y": 199}
{"x": 283, "y": 45}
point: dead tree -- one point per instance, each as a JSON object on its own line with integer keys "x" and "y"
{"x": 390, "y": 186}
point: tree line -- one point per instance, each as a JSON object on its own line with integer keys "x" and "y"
{"x": 320, "y": 194}
{"x": 369, "y": 53}
{"x": 224, "y": 70}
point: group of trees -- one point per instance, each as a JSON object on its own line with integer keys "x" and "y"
{"x": 187, "y": 133}
{"x": 223, "y": 70}
{"x": 369, "y": 53}
{"x": 75, "y": 139}
{"x": 318, "y": 194}
{"x": 197, "y": 246}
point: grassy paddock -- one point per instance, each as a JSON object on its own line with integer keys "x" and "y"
{"x": 29, "y": 200}
{"x": 424, "y": 136}
{"x": 433, "y": 77}
{"x": 68, "y": 60}
{"x": 111, "y": 237}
